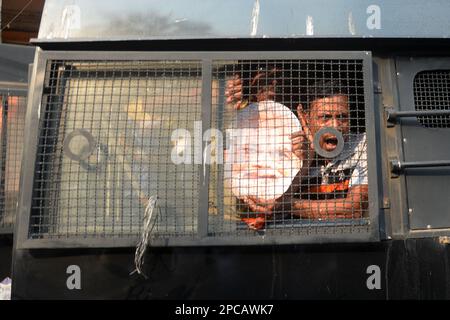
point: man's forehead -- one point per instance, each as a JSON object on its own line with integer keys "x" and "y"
{"x": 330, "y": 103}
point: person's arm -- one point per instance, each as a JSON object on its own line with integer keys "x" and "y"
{"x": 262, "y": 87}
{"x": 233, "y": 93}
{"x": 352, "y": 206}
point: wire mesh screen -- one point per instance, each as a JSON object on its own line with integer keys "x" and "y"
{"x": 294, "y": 147}
{"x": 12, "y": 123}
{"x": 285, "y": 152}
{"x": 432, "y": 92}
{"x": 106, "y": 144}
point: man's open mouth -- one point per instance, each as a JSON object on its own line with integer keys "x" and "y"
{"x": 329, "y": 143}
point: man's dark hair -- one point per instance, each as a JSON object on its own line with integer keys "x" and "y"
{"x": 321, "y": 89}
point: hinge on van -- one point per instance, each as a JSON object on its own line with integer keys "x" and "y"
{"x": 377, "y": 87}
{"x": 386, "y": 203}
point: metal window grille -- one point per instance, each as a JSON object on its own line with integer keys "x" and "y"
{"x": 281, "y": 86}
{"x": 105, "y": 149}
{"x": 12, "y": 124}
{"x": 114, "y": 133}
{"x": 432, "y": 92}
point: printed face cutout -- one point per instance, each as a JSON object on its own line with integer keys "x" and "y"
{"x": 259, "y": 161}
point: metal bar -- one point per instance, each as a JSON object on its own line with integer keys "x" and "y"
{"x": 373, "y": 161}
{"x": 28, "y": 165}
{"x": 3, "y": 156}
{"x": 398, "y": 166}
{"x": 196, "y": 55}
{"x": 359, "y": 234}
{"x": 203, "y": 207}
{"x": 392, "y": 116}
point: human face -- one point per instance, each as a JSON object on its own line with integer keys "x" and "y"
{"x": 263, "y": 164}
{"x": 260, "y": 152}
{"x": 332, "y": 112}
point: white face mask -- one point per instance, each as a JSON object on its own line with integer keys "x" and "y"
{"x": 259, "y": 161}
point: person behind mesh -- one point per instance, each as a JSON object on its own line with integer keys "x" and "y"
{"x": 325, "y": 188}
{"x": 262, "y": 164}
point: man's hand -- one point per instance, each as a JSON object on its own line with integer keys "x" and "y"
{"x": 262, "y": 88}
{"x": 258, "y": 221}
{"x": 282, "y": 205}
{"x": 255, "y": 207}
{"x": 233, "y": 93}
{"x": 302, "y": 141}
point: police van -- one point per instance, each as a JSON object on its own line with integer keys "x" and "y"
{"x": 236, "y": 150}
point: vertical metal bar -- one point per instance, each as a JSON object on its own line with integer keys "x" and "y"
{"x": 3, "y": 155}
{"x": 29, "y": 154}
{"x": 202, "y": 227}
{"x": 373, "y": 148}
{"x": 220, "y": 167}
